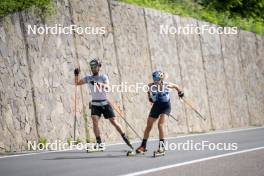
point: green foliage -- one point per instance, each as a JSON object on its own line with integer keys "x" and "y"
{"x": 71, "y": 141}
{"x": 88, "y": 140}
{"x": 42, "y": 141}
{"x": 11, "y": 6}
{"x": 78, "y": 141}
{"x": 246, "y": 15}
{"x": 243, "y": 8}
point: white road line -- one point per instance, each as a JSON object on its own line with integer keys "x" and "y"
{"x": 219, "y": 132}
{"x": 183, "y": 136}
{"x": 200, "y": 134}
{"x": 191, "y": 162}
{"x": 36, "y": 153}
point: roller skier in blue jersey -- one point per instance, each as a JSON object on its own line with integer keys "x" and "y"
{"x": 159, "y": 96}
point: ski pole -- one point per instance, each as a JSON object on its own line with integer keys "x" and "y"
{"x": 75, "y": 117}
{"x": 191, "y": 106}
{"x": 177, "y": 120}
{"x": 120, "y": 114}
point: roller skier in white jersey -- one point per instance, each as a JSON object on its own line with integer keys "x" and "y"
{"x": 99, "y": 104}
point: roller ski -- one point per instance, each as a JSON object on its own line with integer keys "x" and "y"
{"x": 140, "y": 150}
{"x": 131, "y": 152}
{"x": 159, "y": 152}
{"x": 96, "y": 148}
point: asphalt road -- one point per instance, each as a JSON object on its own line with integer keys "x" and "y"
{"x": 246, "y": 158}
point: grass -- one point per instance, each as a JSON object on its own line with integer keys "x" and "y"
{"x": 186, "y": 8}
{"x": 189, "y": 8}
{"x": 43, "y": 8}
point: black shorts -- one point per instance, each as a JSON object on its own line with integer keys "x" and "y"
{"x": 106, "y": 110}
{"x": 160, "y": 108}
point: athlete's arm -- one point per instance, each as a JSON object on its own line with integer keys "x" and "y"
{"x": 179, "y": 90}
{"x": 77, "y": 79}
{"x": 149, "y": 94}
{"x": 174, "y": 86}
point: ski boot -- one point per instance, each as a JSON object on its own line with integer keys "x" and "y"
{"x": 125, "y": 138}
{"x": 141, "y": 150}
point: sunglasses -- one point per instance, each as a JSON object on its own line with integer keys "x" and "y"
{"x": 156, "y": 79}
{"x": 93, "y": 66}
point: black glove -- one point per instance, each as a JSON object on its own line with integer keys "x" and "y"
{"x": 181, "y": 94}
{"x": 76, "y": 71}
{"x": 150, "y": 100}
{"x": 93, "y": 82}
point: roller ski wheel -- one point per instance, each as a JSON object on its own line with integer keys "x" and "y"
{"x": 158, "y": 153}
{"x": 134, "y": 153}
{"x": 138, "y": 151}
{"x": 94, "y": 150}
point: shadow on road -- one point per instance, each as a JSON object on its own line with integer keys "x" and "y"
{"x": 97, "y": 155}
